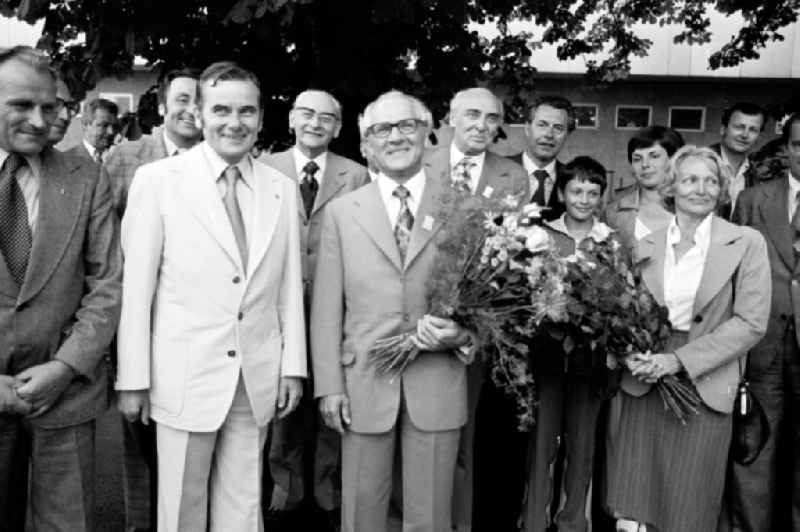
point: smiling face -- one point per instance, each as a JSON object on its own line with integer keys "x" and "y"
{"x": 399, "y": 155}
{"x": 100, "y": 131}
{"x": 178, "y": 111}
{"x": 230, "y": 117}
{"x": 696, "y": 188}
{"x": 65, "y": 113}
{"x": 28, "y": 107}
{"x": 475, "y": 120}
{"x": 546, "y": 133}
{"x": 650, "y": 166}
{"x": 581, "y": 198}
{"x": 742, "y": 132}
{"x": 315, "y": 121}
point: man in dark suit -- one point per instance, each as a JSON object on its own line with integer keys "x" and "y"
{"x": 773, "y": 366}
{"x": 321, "y": 175}
{"x": 59, "y": 306}
{"x": 742, "y": 124}
{"x": 99, "y": 127}
{"x": 549, "y": 121}
{"x": 176, "y": 94}
{"x": 475, "y": 115}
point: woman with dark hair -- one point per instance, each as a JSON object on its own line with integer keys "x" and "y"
{"x": 714, "y": 278}
{"x": 641, "y": 209}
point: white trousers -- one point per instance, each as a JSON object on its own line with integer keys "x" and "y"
{"x": 212, "y": 480}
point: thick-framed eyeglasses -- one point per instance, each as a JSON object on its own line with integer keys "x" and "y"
{"x": 382, "y": 130}
{"x": 70, "y": 105}
{"x": 326, "y": 119}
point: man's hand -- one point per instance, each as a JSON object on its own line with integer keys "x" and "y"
{"x": 437, "y": 334}
{"x": 335, "y": 410}
{"x": 290, "y": 390}
{"x": 43, "y": 384}
{"x": 10, "y": 402}
{"x": 650, "y": 367}
{"x": 134, "y": 405}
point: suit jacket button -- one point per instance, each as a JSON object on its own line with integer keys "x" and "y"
{"x": 236, "y": 280}
{"x": 698, "y": 318}
{"x": 231, "y": 353}
{"x": 240, "y": 316}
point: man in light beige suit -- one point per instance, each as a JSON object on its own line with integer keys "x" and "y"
{"x": 211, "y": 340}
{"x": 321, "y": 175}
{"x": 376, "y": 252}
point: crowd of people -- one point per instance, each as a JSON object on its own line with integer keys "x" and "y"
{"x": 227, "y": 303}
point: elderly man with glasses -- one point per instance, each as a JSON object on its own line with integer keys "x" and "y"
{"x": 377, "y": 248}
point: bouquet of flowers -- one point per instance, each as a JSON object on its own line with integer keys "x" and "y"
{"x": 498, "y": 276}
{"x": 612, "y": 311}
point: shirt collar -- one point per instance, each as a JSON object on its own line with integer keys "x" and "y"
{"x": 702, "y": 235}
{"x": 794, "y": 184}
{"x": 415, "y": 185}
{"x": 560, "y": 224}
{"x": 34, "y": 162}
{"x": 172, "y": 148}
{"x": 456, "y": 156}
{"x": 218, "y": 165}
{"x": 531, "y": 166}
{"x": 91, "y": 149}
{"x": 300, "y": 160}
{"x": 742, "y": 169}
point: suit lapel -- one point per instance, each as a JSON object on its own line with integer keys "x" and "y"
{"x": 774, "y": 210}
{"x": 371, "y": 216}
{"x": 60, "y": 200}
{"x": 722, "y": 259}
{"x": 651, "y": 252}
{"x": 332, "y": 181}
{"x": 199, "y": 188}
{"x": 268, "y": 207}
{"x": 427, "y": 221}
{"x": 437, "y": 165}
{"x": 490, "y": 175}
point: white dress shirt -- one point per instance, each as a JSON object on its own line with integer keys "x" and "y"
{"x": 245, "y": 194}
{"x": 415, "y": 186}
{"x": 300, "y": 161}
{"x": 682, "y": 277}
{"x": 28, "y": 178}
{"x": 794, "y": 189}
{"x": 549, "y": 183}
{"x": 456, "y": 156}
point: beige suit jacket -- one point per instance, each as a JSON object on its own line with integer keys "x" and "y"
{"x": 731, "y": 309}
{"x": 369, "y": 294}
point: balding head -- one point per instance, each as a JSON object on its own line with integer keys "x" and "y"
{"x": 475, "y": 115}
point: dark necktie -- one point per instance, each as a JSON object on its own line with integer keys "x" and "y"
{"x": 231, "y": 175}
{"x": 462, "y": 175}
{"x": 538, "y": 197}
{"x": 15, "y": 233}
{"x": 309, "y": 186}
{"x": 405, "y": 221}
{"x": 796, "y": 226}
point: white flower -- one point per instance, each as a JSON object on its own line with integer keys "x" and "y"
{"x": 510, "y": 201}
{"x": 600, "y": 232}
{"x": 532, "y": 210}
{"x": 536, "y": 239}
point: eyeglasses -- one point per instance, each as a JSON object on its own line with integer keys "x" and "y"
{"x": 382, "y": 130}
{"x": 70, "y": 105}
{"x": 326, "y": 119}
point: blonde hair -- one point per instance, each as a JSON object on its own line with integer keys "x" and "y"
{"x": 711, "y": 158}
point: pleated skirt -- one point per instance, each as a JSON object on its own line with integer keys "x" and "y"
{"x": 662, "y": 473}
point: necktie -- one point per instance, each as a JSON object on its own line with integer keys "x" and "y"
{"x": 541, "y": 178}
{"x": 309, "y": 186}
{"x": 796, "y": 226}
{"x": 231, "y": 175}
{"x": 98, "y": 157}
{"x": 461, "y": 175}
{"x": 405, "y": 221}
{"x": 15, "y": 233}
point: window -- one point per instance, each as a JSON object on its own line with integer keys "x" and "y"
{"x": 633, "y": 116}
{"x": 124, "y": 100}
{"x": 687, "y": 118}
{"x": 585, "y": 115}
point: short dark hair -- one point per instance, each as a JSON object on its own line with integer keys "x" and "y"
{"x": 32, "y": 57}
{"x": 166, "y": 80}
{"x": 666, "y": 137}
{"x": 746, "y": 108}
{"x": 225, "y": 71}
{"x": 92, "y": 106}
{"x": 557, "y": 102}
{"x": 582, "y": 168}
{"x": 786, "y": 132}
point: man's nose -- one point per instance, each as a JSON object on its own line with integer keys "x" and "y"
{"x": 36, "y": 117}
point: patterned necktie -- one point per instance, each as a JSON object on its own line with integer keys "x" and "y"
{"x": 231, "y": 175}
{"x": 541, "y": 178}
{"x": 15, "y": 233}
{"x": 309, "y": 186}
{"x": 405, "y": 221}
{"x": 462, "y": 176}
{"x": 98, "y": 157}
{"x": 796, "y": 226}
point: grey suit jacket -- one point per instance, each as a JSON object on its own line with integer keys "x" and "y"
{"x": 765, "y": 208}
{"x": 68, "y": 305}
{"x": 342, "y": 175}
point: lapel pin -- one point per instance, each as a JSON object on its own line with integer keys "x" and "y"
{"x": 487, "y": 192}
{"x": 427, "y": 223}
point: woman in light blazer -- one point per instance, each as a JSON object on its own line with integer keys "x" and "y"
{"x": 640, "y": 210}
{"x": 714, "y": 278}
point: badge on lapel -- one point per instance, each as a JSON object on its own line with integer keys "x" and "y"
{"x": 427, "y": 223}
